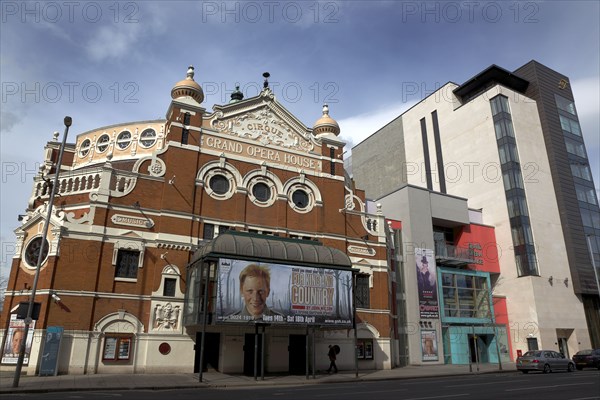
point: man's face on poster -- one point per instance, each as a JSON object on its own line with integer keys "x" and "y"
{"x": 17, "y": 338}
{"x": 255, "y": 292}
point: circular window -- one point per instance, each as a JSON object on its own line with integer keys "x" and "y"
{"x": 148, "y": 138}
{"x": 261, "y": 191}
{"x": 300, "y": 198}
{"x": 32, "y": 252}
{"x": 124, "y": 140}
{"x": 102, "y": 143}
{"x": 84, "y": 149}
{"x": 219, "y": 184}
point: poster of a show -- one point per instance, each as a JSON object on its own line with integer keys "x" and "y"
{"x": 282, "y": 294}
{"x": 14, "y": 338}
{"x": 429, "y": 345}
{"x": 427, "y": 283}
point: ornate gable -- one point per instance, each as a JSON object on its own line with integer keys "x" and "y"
{"x": 264, "y": 120}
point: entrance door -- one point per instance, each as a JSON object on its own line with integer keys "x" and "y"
{"x": 532, "y": 343}
{"x": 297, "y": 354}
{"x": 249, "y": 354}
{"x": 483, "y": 344}
{"x": 473, "y": 349}
{"x": 211, "y": 351}
{"x": 563, "y": 347}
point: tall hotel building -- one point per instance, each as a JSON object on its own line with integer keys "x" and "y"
{"x": 509, "y": 143}
{"x": 203, "y": 235}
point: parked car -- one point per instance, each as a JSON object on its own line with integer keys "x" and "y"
{"x": 587, "y": 359}
{"x": 545, "y": 361}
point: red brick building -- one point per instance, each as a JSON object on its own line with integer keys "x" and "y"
{"x": 138, "y": 200}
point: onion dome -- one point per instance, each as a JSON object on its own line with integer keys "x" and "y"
{"x": 326, "y": 124}
{"x": 237, "y": 95}
{"x": 188, "y": 88}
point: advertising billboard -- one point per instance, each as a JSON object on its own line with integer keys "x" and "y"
{"x": 427, "y": 283}
{"x": 15, "y": 336}
{"x": 282, "y": 294}
{"x": 429, "y": 345}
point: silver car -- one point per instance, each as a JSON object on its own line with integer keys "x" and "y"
{"x": 545, "y": 361}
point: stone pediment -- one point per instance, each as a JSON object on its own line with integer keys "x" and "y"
{"x": 264, "y": 120}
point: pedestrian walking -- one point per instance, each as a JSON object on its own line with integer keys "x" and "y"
{"x": 332, "y": 354}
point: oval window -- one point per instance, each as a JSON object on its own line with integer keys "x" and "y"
{"x": 148, "y": 138}
{"x": 85, "y": 148}
{"x": 124, "y": 140}
{"x": 102, "y": 143}
{"x": 32, "y": 252}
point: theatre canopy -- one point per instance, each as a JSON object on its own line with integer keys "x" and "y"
{"x": 307, "y": 282}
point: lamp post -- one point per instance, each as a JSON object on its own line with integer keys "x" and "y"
{"x": 67, "y": 121}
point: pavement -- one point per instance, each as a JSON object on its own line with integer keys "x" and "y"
{"x": 215, "y": 379}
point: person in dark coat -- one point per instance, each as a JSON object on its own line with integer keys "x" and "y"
{"x": 332, "y": 358}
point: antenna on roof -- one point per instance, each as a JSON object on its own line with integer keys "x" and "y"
{"x": 266, "y": 75}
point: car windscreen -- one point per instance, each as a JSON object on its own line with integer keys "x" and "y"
{"x": 584, "y": 353}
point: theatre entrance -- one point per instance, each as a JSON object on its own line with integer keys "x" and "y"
{"x": 297, "y": 354}
{"x": 211, "y": 351}
{"x": 249, "y": 343}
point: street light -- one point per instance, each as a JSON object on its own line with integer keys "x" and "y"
{"x": 67, "y": 121}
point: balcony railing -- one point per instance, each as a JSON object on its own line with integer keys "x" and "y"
{"x": 446, "y": 254}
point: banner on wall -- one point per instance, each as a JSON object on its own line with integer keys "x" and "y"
{"x": 429, "y": 345}
{"x": 283, "y": 294}
{"x": 427, "y": 283}
{"x": 14, "y": 337}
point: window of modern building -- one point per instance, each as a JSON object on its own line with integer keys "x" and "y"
{"x": 513, "y": 186}
{"x": 590, "y": 218}
{"x": 504, "y": 128}
{"x": 362, "y": 291}
{"x": 581, "y": 170}
{"x": 526, "y": 262}
{"x": 169, "y": 287}
{"x": 117, "y": 348}
{"x": 124, "y": 140}
{"x": 84, "y": 149}
{"x": 499, "y": 104}
{"x": 102, "y": 143}
{"x": 512, "y": 179}
{"x": 575, "y": 148}
{"x": 127, "y": 264}
{"x": 565, "y": 104}
{"x": 517, "y": 206}
{"x": 219, "y": 184}
{"x": 148, "y": 138}
{"x": 466, "y": 295}
{"x": 586, "y": 194}
{"x": 569, "y": 125}
{"x": 508, "y": 153}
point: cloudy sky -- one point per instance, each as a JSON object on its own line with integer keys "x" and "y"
{"x": 110, "y": 62}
